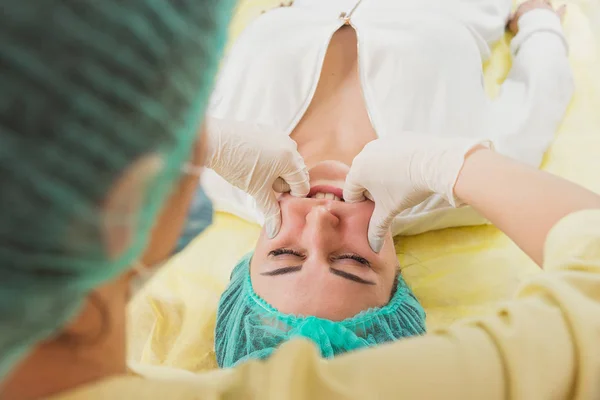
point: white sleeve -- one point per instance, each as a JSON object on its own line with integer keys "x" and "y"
{"x": 486, "y": 19}
{"x": 229, "y": 199}
{"x": 523, "y": 119}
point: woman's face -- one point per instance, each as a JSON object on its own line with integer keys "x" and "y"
{"x": 321, "y": 263}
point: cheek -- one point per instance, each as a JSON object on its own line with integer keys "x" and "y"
{"x": 293, "y": 218}
{"x": 355, "y": 227}
{"x": 291, "y": 227}
{"x": 359, "y": 216}
{"x": 355, "y": 233}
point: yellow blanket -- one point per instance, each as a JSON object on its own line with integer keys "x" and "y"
{"x": 455, "y": 273}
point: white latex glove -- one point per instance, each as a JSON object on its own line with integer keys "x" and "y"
{"x": 402, "y": 171}
{"x": 258, "y": 160}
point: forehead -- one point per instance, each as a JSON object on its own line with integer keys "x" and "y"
{"x": 330, "y": 301}
{"x": 317, "y": 292}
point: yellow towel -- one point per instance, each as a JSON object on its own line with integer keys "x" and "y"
{"x": 455, "y": 273}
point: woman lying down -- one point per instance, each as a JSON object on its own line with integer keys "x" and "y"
{"x": 331, "y": 77}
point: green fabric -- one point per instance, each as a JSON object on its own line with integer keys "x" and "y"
{"x": 249, "y": 328}
{"x": 87, "y": 87}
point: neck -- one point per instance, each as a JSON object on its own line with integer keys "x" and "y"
{"x": 92, "y": 348}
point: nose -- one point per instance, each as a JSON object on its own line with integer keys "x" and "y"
{"x": 321, "y": 225}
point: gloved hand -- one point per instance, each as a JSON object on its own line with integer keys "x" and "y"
{"x": 402, "y": 171}
{"x": 259, "y": 161}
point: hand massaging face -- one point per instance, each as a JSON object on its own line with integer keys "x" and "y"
{"x": 317, "y": 279}
{"x": 320, "y": 263}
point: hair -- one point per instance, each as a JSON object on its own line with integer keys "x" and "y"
{"x": 248, "y": 327}
{"x": 88, "y": 87}
{"x": 395, "y": 284}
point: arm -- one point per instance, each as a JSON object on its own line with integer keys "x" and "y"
{"x": 543, "y": 345}
{"x": 523, "y": 119}
{"x": 523, "y": 202}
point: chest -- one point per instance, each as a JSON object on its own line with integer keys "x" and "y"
{"x": 336, "y": 121}
{"x": 295, "y": 63}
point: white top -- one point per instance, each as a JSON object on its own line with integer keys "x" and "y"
{"x": 420, "y": 66}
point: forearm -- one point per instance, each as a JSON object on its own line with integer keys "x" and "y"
{"x": 523, "y": 202}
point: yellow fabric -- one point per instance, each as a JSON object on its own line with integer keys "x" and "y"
{"x": 542, "y": 345}
{"x": 455, "y": 273}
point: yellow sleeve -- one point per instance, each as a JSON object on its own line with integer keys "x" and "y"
{"x": 544, "y": 344}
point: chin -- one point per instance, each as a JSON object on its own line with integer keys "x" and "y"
{"x": 328, "y": 173}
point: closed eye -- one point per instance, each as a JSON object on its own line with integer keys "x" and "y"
{"x": 282, "y": 251}
{"x": 355, "y": 257}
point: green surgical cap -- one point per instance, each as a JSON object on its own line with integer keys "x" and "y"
{"x": 250, "y": 328}
{"x": 86, "y": 88}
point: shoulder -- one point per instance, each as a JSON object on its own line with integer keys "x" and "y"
{"x": 176, "y": 386}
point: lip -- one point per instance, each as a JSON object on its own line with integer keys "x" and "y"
{"x": 326, "y": 189}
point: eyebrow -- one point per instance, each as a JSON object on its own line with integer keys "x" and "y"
{"x": 282, "y": 271}
{"x": 350, "y": 277}
{"x": 342, "y": 274}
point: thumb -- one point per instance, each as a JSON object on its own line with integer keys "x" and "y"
{"x": 269, "y": 206}
{"x": 378, "y": 227}
{"x": 353, "y": 191}
{"x": 298, "y": 183}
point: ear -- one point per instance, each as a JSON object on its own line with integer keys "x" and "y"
{"x": 123, "y": 203}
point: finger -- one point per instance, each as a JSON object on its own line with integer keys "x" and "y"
{"x": 378, "y": 228}
{"x": 281, "y": 186}
{"x": 513, "y": 25}
{"x": 269, "y": 206}
{"x": 297, "y": 183}
{"x": 273, "y": 226}
{"x": 354, "y": 192}
{"x": 562, "y": 11}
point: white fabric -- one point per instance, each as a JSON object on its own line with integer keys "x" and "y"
{"x": 421, "y": 71}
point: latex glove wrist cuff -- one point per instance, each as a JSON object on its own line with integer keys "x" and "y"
{"x": 451, "y": 155}
{"x": 463, "y": 152}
